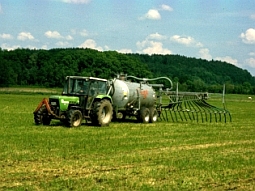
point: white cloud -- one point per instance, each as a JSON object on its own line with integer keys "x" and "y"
{"x": 25, "y": 36}
{"x": 250, "y": 62}
{"x": 152, "y": 47}
{"x": 84, "y": 33}
{"x": 252, "y": 54}
{"x": 45, "y": 47}
{"x": 6, "y": 36}
{"x": 57, "y": 35}
{"x": 73, "y": 31}
{"x": 204, "y": 53}
{"x": 13, "y": 47}
{"x": 187, "y": 41}
{"x": 53, "y": 34}
{"x": 228, "y": 59}
{"x": 253, "y": 16}
{"x": 90, "y": 43}
{"x": 166, "y": 7}
{"x": 62, "y": 44}
{"x": 76, "y": 1}
{"x": 8, "y": 47}
{"x": 69, "y": 37}
{"x": 249, "y": 36}
{"x": 152, "y": 14}
{"x": 156, "y": 36}
{"x": 125, "y": 51}
{"x": 106, "y": 48}
{"x": 29, "y": 47}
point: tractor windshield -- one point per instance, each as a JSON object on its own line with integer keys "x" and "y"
{"x": 76, "y": 86}
{"x": 84, "y": 87}
{"x": 97, "y": 87}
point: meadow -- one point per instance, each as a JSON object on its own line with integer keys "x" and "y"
{"x": 126, "y": 155}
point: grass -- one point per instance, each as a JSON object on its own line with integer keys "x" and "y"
{"x": 127, "y": 155}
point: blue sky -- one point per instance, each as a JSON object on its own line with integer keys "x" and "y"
{"x": 219, "y": 29}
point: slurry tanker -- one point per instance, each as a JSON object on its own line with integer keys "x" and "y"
{"x": 99, "y": 101}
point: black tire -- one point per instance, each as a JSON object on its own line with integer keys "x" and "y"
{"x": 46, "y": 120}
{"x": 74, "y": 118}
{"x": 121, "y": 116}
{"x": 102, "y": 113}
{"x": 145, "y": 115}
{"x": 38, "y": 116}
{"x": 153, "y": 115}
{"x": 42, "y": 117}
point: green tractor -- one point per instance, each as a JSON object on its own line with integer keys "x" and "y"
{"x": 83, "y": 98}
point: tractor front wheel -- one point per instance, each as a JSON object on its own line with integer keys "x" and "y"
{"x": 74, "y": 118}
{"x": 102, "y": 113}
{"x": 42, "y": 117}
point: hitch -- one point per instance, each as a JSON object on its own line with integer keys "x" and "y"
{"x": 45, "y": 103}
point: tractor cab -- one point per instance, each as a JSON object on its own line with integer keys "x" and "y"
{"x": 88, "y": 89}
{"x": 83, "y": 98}
{"x": 76, "y": 85}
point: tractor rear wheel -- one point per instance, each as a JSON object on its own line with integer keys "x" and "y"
{"x": 74, "y": 118}
{"x": 102, "y": 113}
{"x": 153, "y": 115}
{"x": 145, "y": 115}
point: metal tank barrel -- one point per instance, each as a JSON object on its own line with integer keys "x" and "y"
{"x": 133, "y": 95}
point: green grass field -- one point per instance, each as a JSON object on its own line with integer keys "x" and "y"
{"x": 129, "y": 155}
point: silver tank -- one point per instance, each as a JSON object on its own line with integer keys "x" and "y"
{"x": 132, "y": 95}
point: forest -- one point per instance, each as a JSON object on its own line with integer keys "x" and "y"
{"x": 48, "y": 68}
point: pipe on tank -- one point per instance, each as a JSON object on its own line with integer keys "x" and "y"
{"x": 153, "y": 79}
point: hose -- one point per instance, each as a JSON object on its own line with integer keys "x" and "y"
{"x": 153, "y": 79}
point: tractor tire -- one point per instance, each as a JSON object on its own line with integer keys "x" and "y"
{"x": 42, "y": 117}
{"x": 38, "y": 116}
{"x": 153, "y": 115}
{"x": 145, "y": 115}
{"x": 102, "y": 113}
{"x": 74, "y": 118}
{"x": 46, "y": 120}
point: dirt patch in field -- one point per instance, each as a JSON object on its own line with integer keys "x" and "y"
{"x": 204, "y": 146}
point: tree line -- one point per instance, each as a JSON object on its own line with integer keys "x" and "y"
{"x": 48, "y": 68}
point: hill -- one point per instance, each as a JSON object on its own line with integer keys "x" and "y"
{"x": 48, "y": 68}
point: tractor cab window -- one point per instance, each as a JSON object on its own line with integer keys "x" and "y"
{"x": 84, "y": 87}
{"x": 79, "y": 86}
{"x": 76, "y": 86}
{"x": 65, "y": 91}
{"x": 97, "y": 87}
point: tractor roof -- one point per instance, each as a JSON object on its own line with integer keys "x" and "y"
{"x": 86, "y": 78}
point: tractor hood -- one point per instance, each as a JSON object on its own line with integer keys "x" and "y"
{"x": 63, "y": 101}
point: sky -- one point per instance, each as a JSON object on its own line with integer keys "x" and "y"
{"x": 208, "y": 29}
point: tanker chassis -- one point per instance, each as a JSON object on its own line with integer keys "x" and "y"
{"x": 99, "y": 101}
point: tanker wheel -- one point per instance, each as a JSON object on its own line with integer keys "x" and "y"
{"x": 145, "y": 115}
{"x": 120, "y": 116}
{"x": 102, "y": 113}
{"x": 74, "y": 118}
{"x": 153, "y": 115}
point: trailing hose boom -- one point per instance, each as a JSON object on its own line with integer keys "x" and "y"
{"x": 98, "y": 101}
